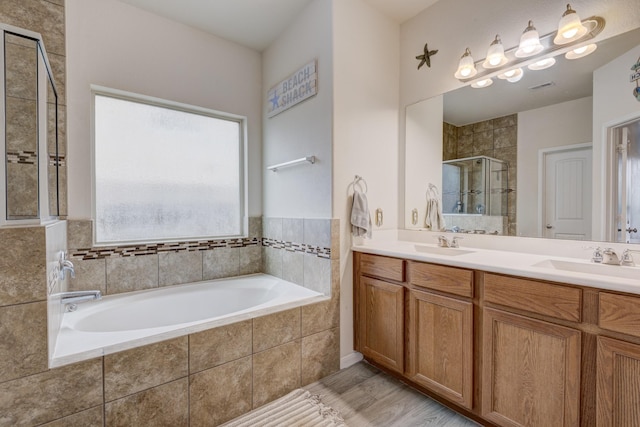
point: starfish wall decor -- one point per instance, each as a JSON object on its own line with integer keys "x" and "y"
{"x": 425, "y": 58}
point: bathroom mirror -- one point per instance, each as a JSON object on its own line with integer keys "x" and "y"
{"x": 508, "y": 122}
{"x": 30, "y": 129}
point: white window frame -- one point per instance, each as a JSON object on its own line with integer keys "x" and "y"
{"x": 158, "y": 102}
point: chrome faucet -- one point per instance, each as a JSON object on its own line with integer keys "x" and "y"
{"x": 71, "y": 299}
{"x": 443, "y": 242}
{"x": 610, "y": 257}
{"x": 66, "y": 265}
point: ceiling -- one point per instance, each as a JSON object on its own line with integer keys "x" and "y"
{"x": 262, "y": 20}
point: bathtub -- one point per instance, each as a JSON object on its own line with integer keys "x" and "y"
{"x": 122, "y": 321}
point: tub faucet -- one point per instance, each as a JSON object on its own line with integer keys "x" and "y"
{"x": 66, "y": 265}
{"x": 71, "y": 299}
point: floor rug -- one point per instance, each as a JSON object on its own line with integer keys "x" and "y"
{"x": 297, "y": 409}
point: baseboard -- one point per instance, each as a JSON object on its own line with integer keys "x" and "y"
{"x": 350, "y": 359}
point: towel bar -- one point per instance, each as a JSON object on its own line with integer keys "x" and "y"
{"x": 310, "y": 159}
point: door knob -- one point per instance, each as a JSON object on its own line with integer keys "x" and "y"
{"x": 549, "y": 226}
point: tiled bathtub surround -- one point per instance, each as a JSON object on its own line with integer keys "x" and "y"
{"x": 201, "y": 379}
{"x": 300, "y": 250}
{"x": 117, "y": 269}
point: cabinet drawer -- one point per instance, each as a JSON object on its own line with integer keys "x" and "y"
{"x": 561, "y": 302}
{"x": 619, "y": 313}
{"x": 453, "y": 280}
{"x": 384, "y": 267}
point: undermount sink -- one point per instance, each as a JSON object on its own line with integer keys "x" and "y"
{"x": 591, "y": 268}
{"x": 437, "y": 250}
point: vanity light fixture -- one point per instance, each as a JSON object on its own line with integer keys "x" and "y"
{"x": 482, "y": 84}
{"x": 512, "y": 76}
{"x": 570, "y": 27}
{"x": 529, "y": 42}
{"x": 466, "y": 67}
{"x": 581, "y": 52}
{"x": 495, "y": 55}
{"x": 542, "y": 64}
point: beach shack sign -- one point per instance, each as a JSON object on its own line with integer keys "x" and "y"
{"x": 301, "y": 85}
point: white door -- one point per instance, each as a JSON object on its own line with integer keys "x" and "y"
{"x": 567, "y": 194}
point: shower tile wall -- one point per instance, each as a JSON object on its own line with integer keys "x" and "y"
{"x": 47, "y": 18}
{"x": 497, "y": 138}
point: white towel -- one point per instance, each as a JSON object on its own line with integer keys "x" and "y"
{"x": 360, "y": 217}
{"x": 434, "y": 219}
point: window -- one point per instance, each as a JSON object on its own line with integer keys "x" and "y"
{"x": 164, "y": 171}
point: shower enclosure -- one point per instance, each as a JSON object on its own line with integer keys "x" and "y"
{"x": 626, "y": 188}
{"x": 29, "y": 129}
{"x": 475, "y": 185}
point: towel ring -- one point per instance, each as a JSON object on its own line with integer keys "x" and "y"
{"x": 358, "y": 180}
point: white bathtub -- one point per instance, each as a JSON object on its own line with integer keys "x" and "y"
{"x": 123, "y": 321}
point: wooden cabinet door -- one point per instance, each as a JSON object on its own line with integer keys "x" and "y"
{"x": 381, "y": 323}
{"x": 441, "y": 345}
{"x": 530, "y": 371}
{"x": 618, "y": 383}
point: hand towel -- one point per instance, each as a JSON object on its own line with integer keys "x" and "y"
{"x": 360, "y": 217}
{"x": 434, "y": 219}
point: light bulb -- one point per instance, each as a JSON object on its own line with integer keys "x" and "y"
{"x": 495, "y": 55}
{"x": 529, "y": 42}
{"x": 466, "y": 67}
{"x": 570, "y": 27}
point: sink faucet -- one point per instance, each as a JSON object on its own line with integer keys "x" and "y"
{"x": 443, "y": 242}
{"x": 66, "y": 265}
{"x": 610, "y": 257}
{"x": 71, "y": 299}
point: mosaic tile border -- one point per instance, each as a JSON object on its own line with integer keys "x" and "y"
{"x": 297, "y": 247}
{"x": 201, "y": 245}
{"x": 23, "y": 157}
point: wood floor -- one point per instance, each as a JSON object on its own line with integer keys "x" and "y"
{"x": 366, "y": 396}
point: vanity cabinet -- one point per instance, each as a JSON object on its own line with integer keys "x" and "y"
{"x": 379, "y": 313}
{"x": 504, "y": 350}
{"x": 618, "y": 361}
{"x": 440, "y": 333}
{"x": 531, "y": 371}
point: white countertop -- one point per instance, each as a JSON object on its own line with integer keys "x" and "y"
{"x": 534, "y": 266}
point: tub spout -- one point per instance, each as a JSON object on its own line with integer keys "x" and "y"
{"x": 79, "y": 296}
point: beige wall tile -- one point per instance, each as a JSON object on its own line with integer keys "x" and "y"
{"x": 505, "y": 121}
{"x": 317, "y": 273}
{"x": 24, "y": 273}
{"x": 250, "y": 260}
{"x": 293, "y": 266}
{"x": 293, "y": 230}
{"x": 276, "y": 372}
{"x": 91, "y": 274}
{"x": 255, "y": 226}
{"x": 40, "y": 16}
{"x": 22, "y": 124}
{"x": 275, "y": 329}
{"x": 272, "y": 228}
{"x": 317, "y": 232}
{"x": 165, "y": 405}
{"x": 320, "y": 355}
{"x": 58, "y": 68}
{"x": 52, "y": 394}
{"x": 220, "y": 345}
{"x": 505, "y": 137}
{"x": 23, "y": 340}
{"x": 22, "y": 191}
{"x": 132, "y": 273}
{"x": 272, "y": 261}
{"x": 320, "y": 316}
{"x": 220, "y": 394}
{"x": 220, "y": 262}
{"x": 90, "y": 418}
{"x": 21, "y": 69}
{"x": 141, "y": 368}
{"x": 179, "y": 267}
{"x": 335, "y": 238}
{"x": 79, "y": 234}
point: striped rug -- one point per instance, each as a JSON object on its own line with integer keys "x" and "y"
{"x": 297, "y": 409}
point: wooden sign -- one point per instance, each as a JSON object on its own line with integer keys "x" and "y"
{"x": 635, "y": 77}
{"x": 299, "y": 86}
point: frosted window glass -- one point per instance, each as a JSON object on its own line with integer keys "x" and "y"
{"x": 163, "y": 174}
